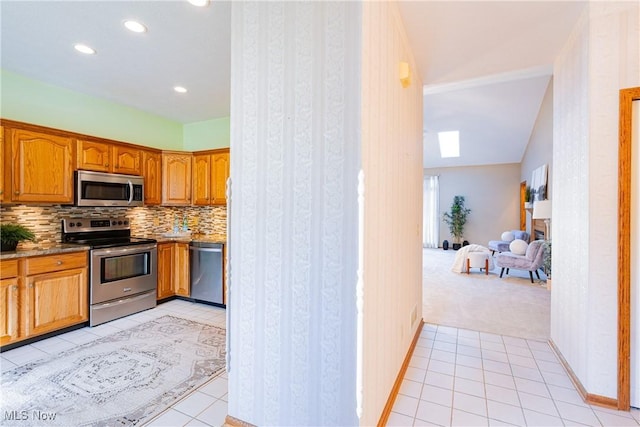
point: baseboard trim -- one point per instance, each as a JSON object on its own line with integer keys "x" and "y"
{"x": 236, "y": 422}
{"x": 590, "y": 398}
{"x": 396, "y": 386}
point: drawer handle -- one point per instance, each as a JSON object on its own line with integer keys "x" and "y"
{"x": 59, "y": 262}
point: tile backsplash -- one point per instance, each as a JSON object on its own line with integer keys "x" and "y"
{"x": 45, "y": 221}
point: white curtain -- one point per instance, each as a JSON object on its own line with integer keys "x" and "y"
{"x": 430, "y": 211}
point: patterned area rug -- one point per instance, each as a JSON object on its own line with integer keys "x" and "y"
{"x": 123, "y": 379}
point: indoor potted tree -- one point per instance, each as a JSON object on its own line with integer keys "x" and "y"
{"x": 12, "y": 234}
{"x": 456, "y": 218}
{"x": 528, "y": 198}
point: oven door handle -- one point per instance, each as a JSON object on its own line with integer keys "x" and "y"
{"x": 130, "y": 192}
{"x": 125, "y": 250}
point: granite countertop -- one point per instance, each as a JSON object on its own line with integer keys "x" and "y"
{"x": 188, "y": 238}
{"x": 58, "y": 248}
{"x": 44, "y": 249}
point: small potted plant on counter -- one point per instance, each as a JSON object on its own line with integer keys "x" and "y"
{"x": 12, "y": 234}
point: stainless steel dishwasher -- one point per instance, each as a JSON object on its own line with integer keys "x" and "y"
{"x": 206, "y": 264}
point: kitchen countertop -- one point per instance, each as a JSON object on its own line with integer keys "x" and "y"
{"x": 207, "y": 238}
{"x": 44, "y": 249}
{"x": 58, "y": 248}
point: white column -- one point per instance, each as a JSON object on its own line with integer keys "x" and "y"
{"x": 295, "y": 144}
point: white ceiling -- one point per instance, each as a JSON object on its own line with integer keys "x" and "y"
{"x": 485, "y": 65}
{"x": 185, "y": 45}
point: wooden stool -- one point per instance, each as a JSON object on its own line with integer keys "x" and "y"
{"x": 479, "y": 260}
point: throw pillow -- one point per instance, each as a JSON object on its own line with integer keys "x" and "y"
{"x": 518, "y": 247}
{"x": 507, "y": 236}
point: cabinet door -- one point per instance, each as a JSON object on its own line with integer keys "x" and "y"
{"x": 219, "y": 174}
{"x": 2, "y": 165}
{"x": 126, "y": 160}
{"x": 42, "y": 167}
{"x": 181, "y": 269}
{"x": 201, "y": 179}
{"x": 176, "y": 179}
{"x": 165, "y": 270}
{"x": 9, "y": 323}
{"x": 93, "y": 156}
{"x": 56, "y": 300}
{"x": 152, "y": 173}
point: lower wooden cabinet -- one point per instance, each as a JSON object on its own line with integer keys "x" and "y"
{"x": 173, "y": 270}
{"x": 47, "y": 293}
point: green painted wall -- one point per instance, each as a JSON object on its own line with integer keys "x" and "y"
{"x": 207, "y": 135}
{"x": 31, "y": 101}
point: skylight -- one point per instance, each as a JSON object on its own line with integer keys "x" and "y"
{"x": 449, "y": 144}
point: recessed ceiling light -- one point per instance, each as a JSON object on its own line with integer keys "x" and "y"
{"x": 84, "y": 49}
{"x": 449, "y": 144}
{"x": 180, "y": 89}
{"x": 199, "y": 3}
{"x": 135, "y": 26}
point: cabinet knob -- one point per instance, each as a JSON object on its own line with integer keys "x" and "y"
{"x": 31, "y": 286}
{"x": 1, "y": 192}
{"x": 17, "y": 192}
{"x": 15, "y": 288}
{"x": 106, "y": 165}
{"x": 59, "y": 262}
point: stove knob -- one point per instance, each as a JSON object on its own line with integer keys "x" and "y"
{"x": 72, "y": 224}
{"x": 114, "y": 222}
{"x": 126, "y": 222}
{"x": 78, "y": 224}
{"x": 119, "y": 222}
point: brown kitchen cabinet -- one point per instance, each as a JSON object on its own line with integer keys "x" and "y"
{"x": 41, "y": 167}
{"x": 9, "y": 301}
{"x": 176, "y": 178}
{"x": 210, "y": 173}
{"x": 165, "y": 270}
{"x": 173, "y": 270}
{"x": 46, "y": 294}
{"x": 106, "y": 157}
{"x": 152, "y": 173}
{"x": 4, "y": 167}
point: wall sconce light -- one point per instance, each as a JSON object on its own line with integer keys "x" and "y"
{"x": 405, "y": 74}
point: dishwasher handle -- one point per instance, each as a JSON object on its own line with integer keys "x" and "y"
{"x": 198, "y": 249}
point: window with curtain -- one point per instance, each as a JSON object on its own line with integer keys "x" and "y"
{"x": 430, "y": 211}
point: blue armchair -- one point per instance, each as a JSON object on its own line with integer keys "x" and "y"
{"x": 503, "y": 245}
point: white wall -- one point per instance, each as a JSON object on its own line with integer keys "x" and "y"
{"x": 392, "y": 164}
{"x": 492, "y": 193}
{"x": 601, "y": 57}
{"x": 293, "y": 219}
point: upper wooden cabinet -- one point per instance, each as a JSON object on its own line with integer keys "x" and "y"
{"x": 127, "y": 160}
{"x": 107, "y": 157}
{"x": 152, "y": 173}
{"x": 41, "y": 167}
{"x": 210, "y": 173}
{"x": 219, "y": 175}
{"x": 4, "y": 169}
{"x": 176, "y": 178}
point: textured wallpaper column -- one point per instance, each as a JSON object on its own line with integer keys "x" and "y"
{"x": 293, "y": 217}
{"x": 601, "y": 57}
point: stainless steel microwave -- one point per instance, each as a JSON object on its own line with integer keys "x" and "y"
{"x": 108, "y": 189}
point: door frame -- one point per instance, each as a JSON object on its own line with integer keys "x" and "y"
{"x": 523, "y": 212}
{"x": 627, "y": 96}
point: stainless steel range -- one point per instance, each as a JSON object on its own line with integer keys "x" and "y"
{"x": 122, "y": 269}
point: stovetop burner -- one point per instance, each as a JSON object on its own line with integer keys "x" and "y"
{"x": 100, "y": 232}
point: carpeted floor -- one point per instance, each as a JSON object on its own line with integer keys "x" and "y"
{"x": 121, "y": 379}
{"x": 509, "y": 306}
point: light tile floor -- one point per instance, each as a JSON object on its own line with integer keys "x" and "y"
{"x": 456, "y": 377}
{"x": 206, "y": 406}
{"x": 459, "y": 377}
